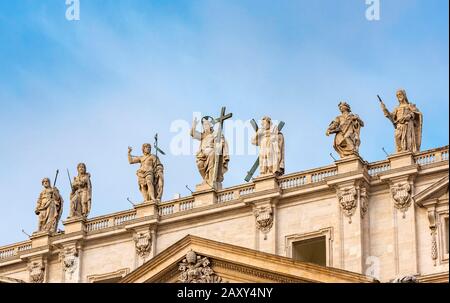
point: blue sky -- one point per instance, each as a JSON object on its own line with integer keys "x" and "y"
{"x": 85, "y": 90}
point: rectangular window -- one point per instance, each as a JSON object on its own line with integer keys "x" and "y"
{"x": 311, "y": 250}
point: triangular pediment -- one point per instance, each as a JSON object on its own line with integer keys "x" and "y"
{"x": 433, "y": 192}
{"x": 194, "y": 259}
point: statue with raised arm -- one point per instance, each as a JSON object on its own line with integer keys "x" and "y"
{"x": 81, "y": 195}
{"x": 150, "y": 174}
{"x": 407, "y": 120}
{"x": 211, "y": 150}
{"x": 270, "y": 140}
{"x": 347, "y": 128}
{"x": 49, "y": 207}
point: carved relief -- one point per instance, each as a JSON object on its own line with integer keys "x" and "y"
{"x": 401, "y": 193}
{"x": 433, "y": 229}
{"x": 196, "y": 269}
{"x": 143, "y": 244}
{"x": 69, "y": 259}
{"x": 37, "y": 271}
{"x": 364, "y": 201}
{"x": 347, "y": 201}
{"x": 264, "y": 218}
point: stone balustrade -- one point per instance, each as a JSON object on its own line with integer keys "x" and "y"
{"x": 13, "y": 250}
{"x": 378, "y": 167}
{"x": 110, "y": 221}
{"x": 432, "y": 156}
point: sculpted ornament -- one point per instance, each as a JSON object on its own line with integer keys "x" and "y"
{"x": 69, "y": 258}
{"x": 264, "y": 218}
{"x": 196, "y": 269}
{"x": 364, "y": 201}
{"x": 143, "y": 243}
{"x": 401, "y": 193}
{"x": 37, "y": 271}
{"x": 347, "y": 201}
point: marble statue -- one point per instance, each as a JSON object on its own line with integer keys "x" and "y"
{"x": 150, "y": 174}
{"x": 407, "y": 120}
{"x": 347, "y": 127}
{"x": 270, "y": 140}
{"x": 49, "y": 207}
{"x": 212, "y": 157}
{"x": 81, "y": 195}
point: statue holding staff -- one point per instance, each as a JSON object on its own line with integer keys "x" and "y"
{"x": 49, "y": 207}
{"x": 150, "y": 174}
{"x": 407, "y": 120}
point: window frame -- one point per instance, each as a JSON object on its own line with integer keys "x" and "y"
{"x": 324, "y": 232}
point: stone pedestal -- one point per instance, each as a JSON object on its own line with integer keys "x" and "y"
{"x": 350, "y": 164}
{"x": 401, "y": 159}
{"x": 204, "y": 197}
{"x": 40, "y": 239}
{"x": 75, "y": 224}
{"x": 146, "y": 209}
{"x": 263, "y": 183}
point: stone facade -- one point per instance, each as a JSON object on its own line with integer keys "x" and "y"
{"x": 387, "y": 219}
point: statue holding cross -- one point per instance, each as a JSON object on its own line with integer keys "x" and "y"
{"x": 270, "y": 140}
{"x": 212, "y": 157}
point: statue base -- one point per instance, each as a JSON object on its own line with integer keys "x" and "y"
{"x": 74, "y": 224}
{"x": 146, "y": 209}
{"x": 350, "y": 164}
{"x": 205, "y": 186}
{"x": 40, "y": 238}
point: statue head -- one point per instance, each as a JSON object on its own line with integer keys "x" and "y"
{"x": 81, "y": 168}
{"x": 46, "y": 182}
{"x": 344, "y": 107}
{"x": 266, "y": 122}
{"x": 146, "y": 148}
{"x": 401, "y": 96}
{"x": 207, "y": 124}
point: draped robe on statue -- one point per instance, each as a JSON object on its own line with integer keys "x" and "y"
{"x": 271, "y": 150}
{"x": 206, "y": 156}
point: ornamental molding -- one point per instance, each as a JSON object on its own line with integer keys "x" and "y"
{"x": 401, "y": 194}
{"x": 264, "y": 218}
{"x": 36, "y": 271}
{"x": 143, "y": 243}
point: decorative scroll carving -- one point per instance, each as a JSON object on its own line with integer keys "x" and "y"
{"x": 347, "y": 201}
{"x": 143, "y": 243}
{"x": 196, "y": 269}
{"x": 69, "y": 258}
{"x": 37, "y": 271}
{"x": 363, "y": 201}
{"x": 264, "y": 218}
{"x": 401, "y": 193}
